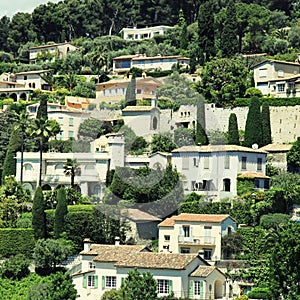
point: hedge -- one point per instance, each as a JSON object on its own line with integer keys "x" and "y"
{"x": 15, "y": 241}
{"x": 272, "y": 101}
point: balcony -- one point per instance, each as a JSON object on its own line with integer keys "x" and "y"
{"x": 197, "y": 240}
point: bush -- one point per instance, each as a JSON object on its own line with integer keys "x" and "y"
{"x": 260, "y": 293}
{"x": 15, "y": 241}
{"x": 15, "y": 268}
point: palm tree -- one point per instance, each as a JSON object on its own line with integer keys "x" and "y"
{"x": 42, "y": 130}
{"x": 71, "y": 168}
{"x": 23, "y": 123}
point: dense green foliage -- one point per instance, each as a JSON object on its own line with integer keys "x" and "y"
{"x": 266, "y": 124}
{"x": 293, "y": 157}
{"x": 60, "y": 213}
{"x": 16, "y": 267}
{"x": 233, "y": 132}
{"x": 15, "y": 241}
{"x": 38, "y": 214}
{"x": 162, "y": 143}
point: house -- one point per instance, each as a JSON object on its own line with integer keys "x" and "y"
{"x": 143, "y": 226}
{"x": 14, "y": 90}
{"x": 33, "y": 80}
{"x": 261, "y": 181}
{"x": 194, "y": 233}
{"x": 68, "y": 118}
{"x": 143, "y": 120}
{"x": 144, "y": 33}
{"x": 277, "y": 155}
{"x": 114, "y": 91}
{"x": 212, "y": 170}
{"x": 277, "y": 78}
{"x": 122, "y": 64}
{"x": 50, "y": 52}
{"x": 104, "y": 267}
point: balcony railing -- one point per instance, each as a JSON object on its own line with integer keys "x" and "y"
{"x": 196, "y": 240}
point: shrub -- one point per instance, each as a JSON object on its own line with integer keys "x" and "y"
{"x": 260, "y": 293}
{"x": 15, "y": 268}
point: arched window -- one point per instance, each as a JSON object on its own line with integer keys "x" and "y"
{"x": 154, "y": 123}
{"x": 28, "y": 167}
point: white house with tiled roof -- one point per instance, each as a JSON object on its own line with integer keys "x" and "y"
{"x": 105, "y": 267}
{"x": 194, "y": 233}
{"x": 213, "y": 170}
{"x": 144, "y": 33}
{"x": 277, "y": 78}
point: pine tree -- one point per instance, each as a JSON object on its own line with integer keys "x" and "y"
{"x": 229, "y": 40}
{"x": 266, "y": 124}
{"x": 9, "y": 165}
{"x": 206, "y": 32}
{"x": 233, "y": 132}
{"x": 130, "y": 96}
{"x": 38, "y": 215}
{"x": 253, "y": 129}
{"x": 60, "y": 213}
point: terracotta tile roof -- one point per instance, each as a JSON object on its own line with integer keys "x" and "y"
{"x": 253, "y": 175}
{"x": 112, "y": 252}
{"x": 138, "y": 215}
{"x": 275, "y": 61}
{"x": 277, "y": 147}
{"x": 156, "y": 260}
{"x": 33, "y": 72}
{"x": 217, "y": 148}
{"x": 193, "y": 218}
{"x": 203, "y": 271}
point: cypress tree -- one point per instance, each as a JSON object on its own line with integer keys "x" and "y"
{"x": 200, "y": 134}
{"x": 130, "y": 96}
{"x": 42, "y": 110}
{"x": 38, "y": 215}
{"x": 183, "y": 34}
{"x": 233, "y": 132}
{"x": 229, "y": 40}
{"x": 253, "y": 129}
{"x": 9, "y": 165}
{"x": 266, "y": 124}
{"x": 60, "y": 213}
{"x": 206, "y": 32}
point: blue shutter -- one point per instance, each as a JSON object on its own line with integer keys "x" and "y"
{"x": 96, "y": 281}
{"x": 103, "y": 282}
{"x": 170, "y": 287}
{"x": 84, "y": 282}
{"x": 191, "y": 289}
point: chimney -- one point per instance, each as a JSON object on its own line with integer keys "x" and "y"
{"x": 144, "y": 75}
{"x": 117, "y": 240}
{"x": 86, "y": 245}
{"x": 154, "y": 102}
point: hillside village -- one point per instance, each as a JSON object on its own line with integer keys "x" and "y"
{"x": 156, "y": 158}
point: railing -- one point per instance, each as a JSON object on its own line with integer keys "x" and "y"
{"x": 197, "y": 240}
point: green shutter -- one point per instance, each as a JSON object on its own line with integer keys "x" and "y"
{"x": 122, "y": 281}
{"x": 191, "y": 290}
{"x": 170, "y": 287}
{"x": 84, "y": 282}
{"x": 96, "y": 281}
{"x": 103, "y": 282}
{"x": 201, "y": 290}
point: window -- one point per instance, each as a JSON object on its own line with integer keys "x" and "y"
{"x": 71, "y": 121}
{"x": 92, "y": 281}
{"x": 226, "y": 185}
{"x": 256, "y": 183}
{"x": 185, "y": 250}
{"x": 186, "y": 231}
{"x": 111, "y": 282}
{"x": 207, "y": 253}
{"x": 259, "y": 163}
{"x": 154, "y": 123}
{"x": 197, "y": 288}
{"x": 206, "y": 162}
{"x": 227, "y": 162}
{"x": 25, "y": 77}
{"x": 291, "y": 85}
{"x": 195, "y": 162}
{"x": 164, "y": 286}
{"x": 167, "y": 238}
{"x": 185, "y": 162}
{"x": 91, "y": 265}
{"x": 71, "y": 134}
{"x": 244, "y": 162}
{"x": 61, "y": 120}
{"x": 281, "y": 87}
{"x": 28, "y": 167}
{"x": 262, "y": 73}
{"x": 280, "y": 73}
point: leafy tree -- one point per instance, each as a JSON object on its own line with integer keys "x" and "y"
{"x": 183, "y": 136}
{"x": 253, "y": 128}
{"x": 273, "y": 220}
{"x": 139, "y": 286}
{"x": 206, "y": 34}
{"x": 130, "y": 95}
{"x": 38, "y": 214}
{"x": 139, "y": 144}
{"x": 229, "y": 41}
{"x": 266, "y": 124}
{"x": 112, "y": 295}
{"x": 233, "y": 132}
{"x": 60, "y": 213}
{"x": 284, "y": 271}
{"x": 48, "y": 254}
{"x": 71, "y": 168}
{"x": 89, "y": 129}
{"x": 16, "y": 267}
{"x": 162, "y": 143}
{"x": 129, "y": 136}
{"x": 231, "y": 245}
{"x": 293, "y": 156}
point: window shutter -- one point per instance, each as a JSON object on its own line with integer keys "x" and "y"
{"x": 103, "y": 282}
{"x": 96, "y": 281}
{"x": 201, "y": 289}
{"x": 84, "y": 282}
{"x": 122, "y": 281}
{"x": 191, "y": 293}
{"x": 170, "y": 287}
